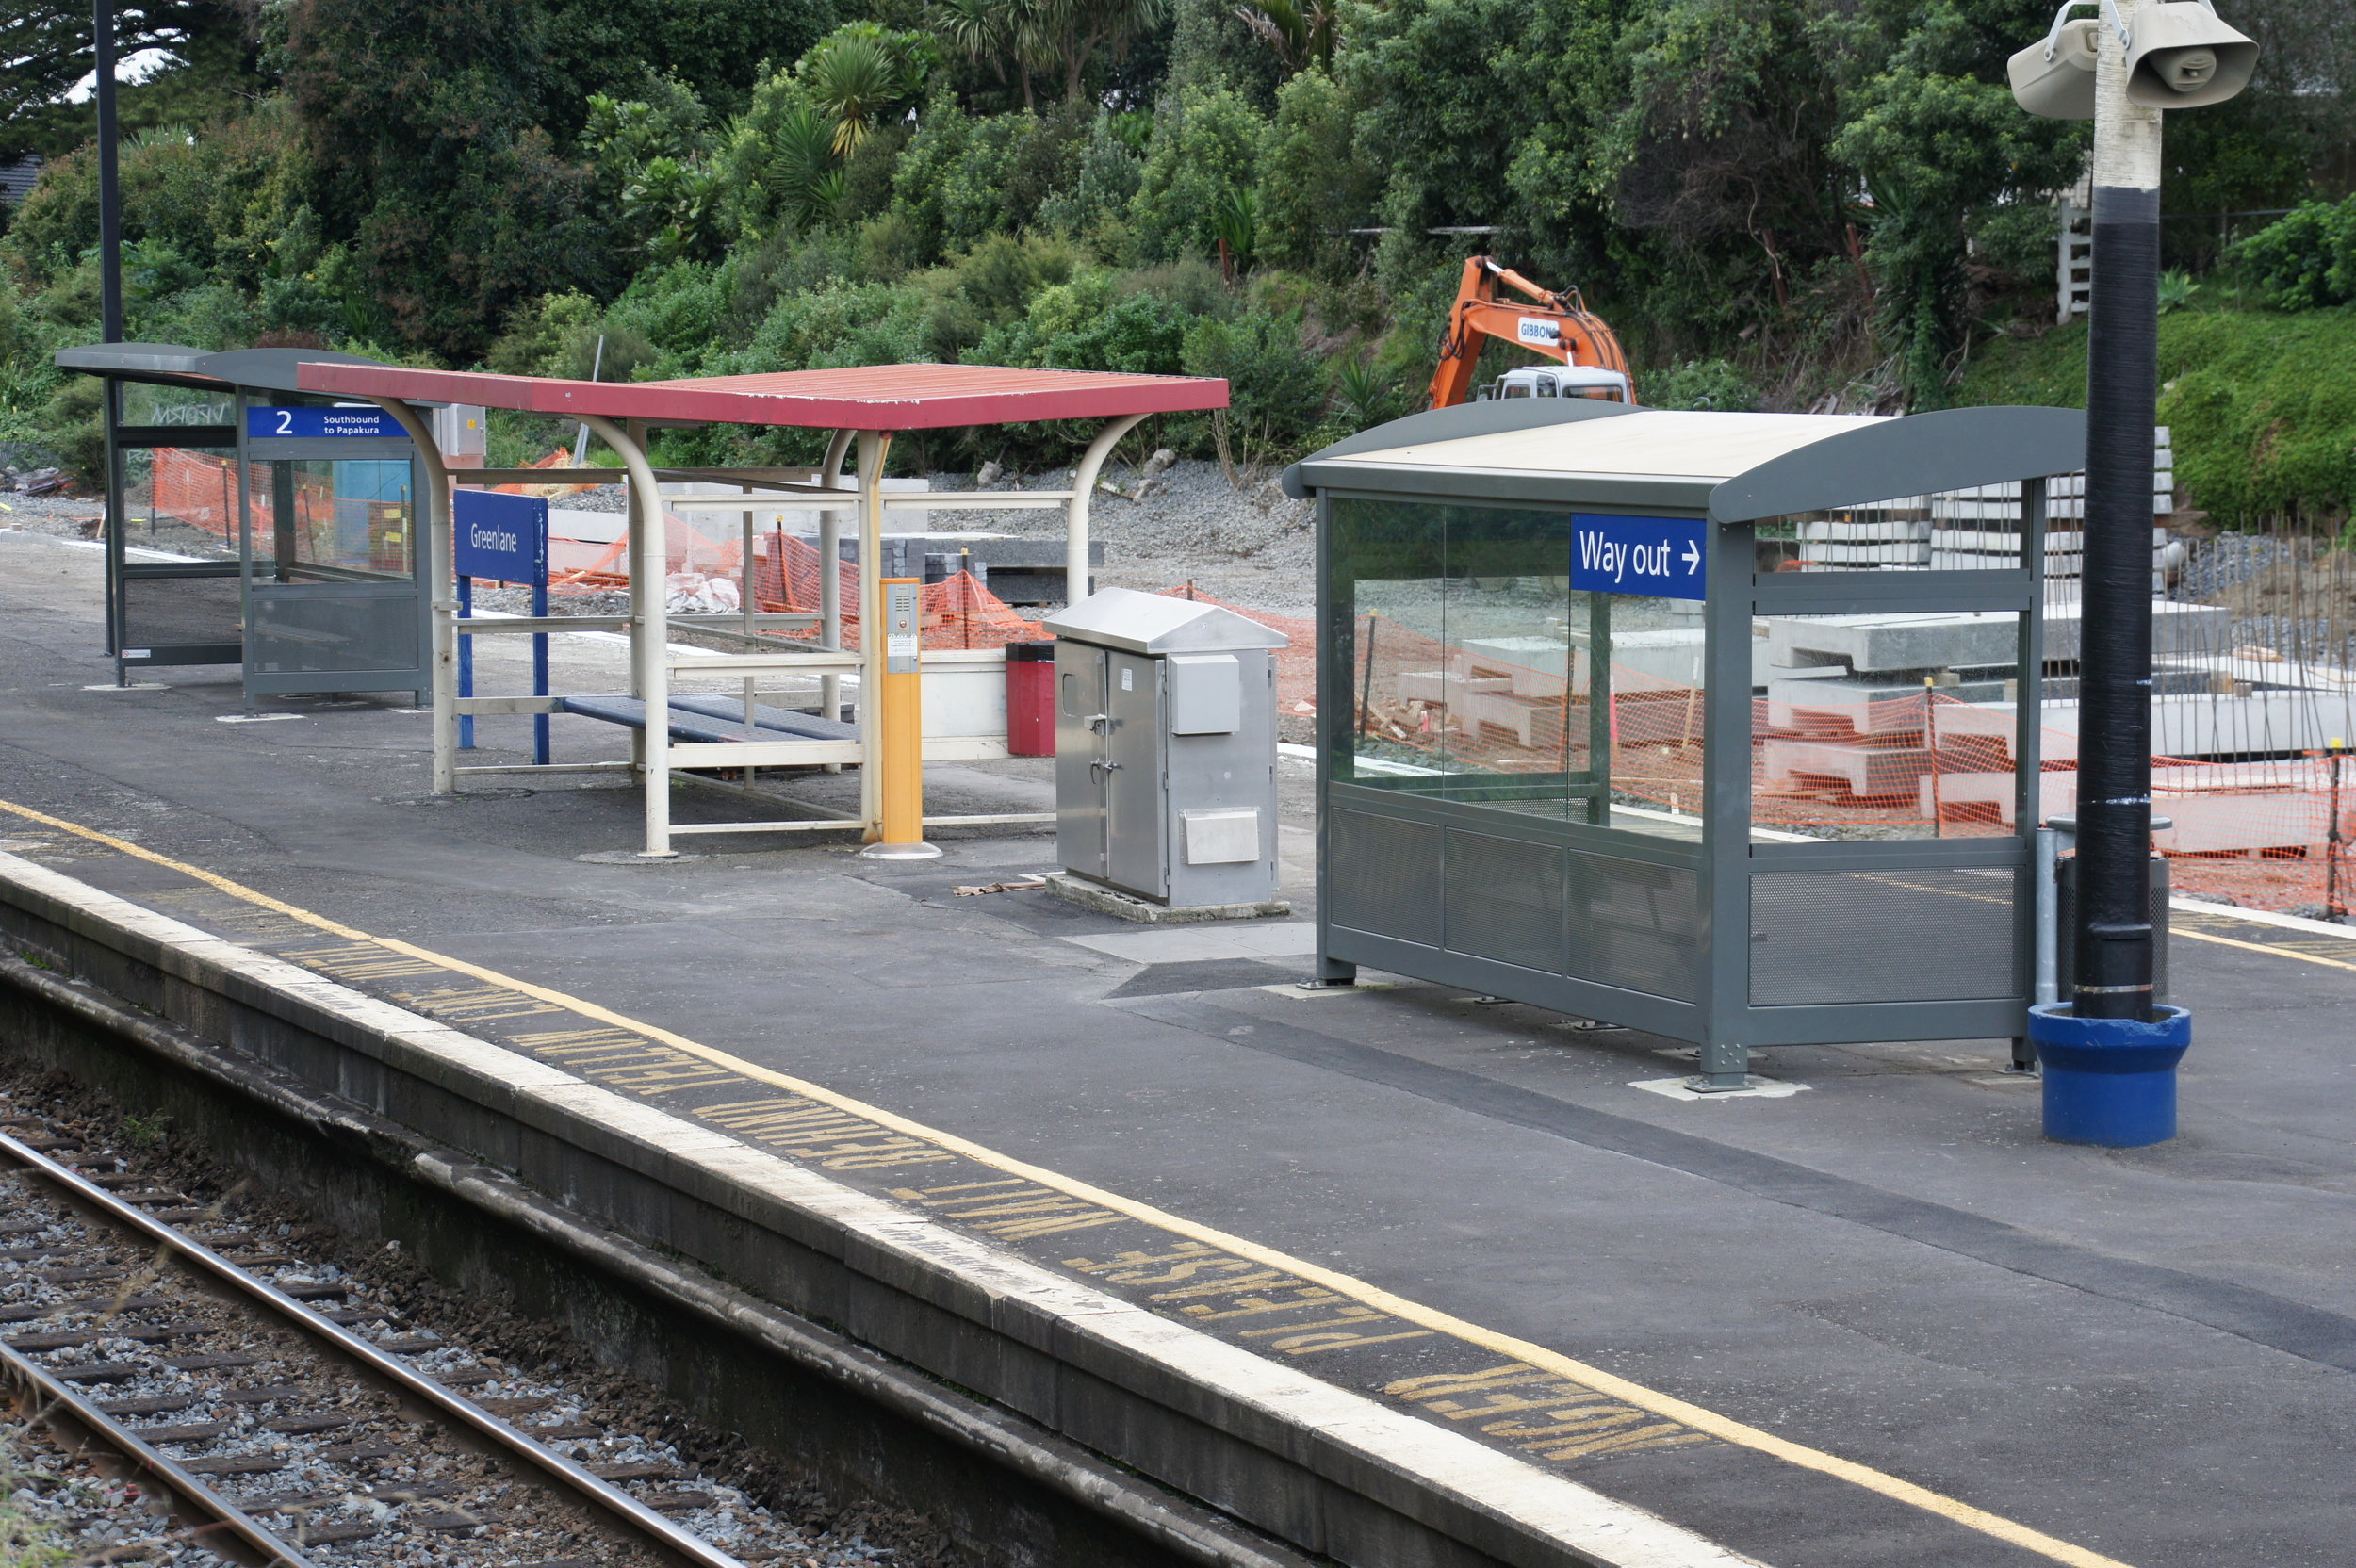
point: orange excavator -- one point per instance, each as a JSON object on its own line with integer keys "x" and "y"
{"x": 1559, "y": 326}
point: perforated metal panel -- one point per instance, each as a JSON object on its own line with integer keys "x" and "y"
{"x": 333, "y": 629}
{"x": 1946, "y": 934}
{"x": 165, "y": 611}
{"x": 1634, "y": 925}
{"x": 1383, "y": 877}
{"x": 1505, "y": 901}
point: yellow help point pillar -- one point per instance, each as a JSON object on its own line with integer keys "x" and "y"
{"x": 899, "y": 716}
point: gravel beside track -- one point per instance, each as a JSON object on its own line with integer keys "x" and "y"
{"x": 344, "y": 1469}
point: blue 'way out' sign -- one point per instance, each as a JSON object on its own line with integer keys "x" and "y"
{"x": 1662, "y": 557}
{"x": 313, "y": 423}
{"x": 501, "y": 538}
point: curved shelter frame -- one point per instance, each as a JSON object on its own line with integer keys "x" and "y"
{"x": 1564, "y": 649}
{"x": 863, "y": 407}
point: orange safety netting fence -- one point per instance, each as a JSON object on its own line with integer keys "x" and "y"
{"x": 200, "y": 490}
{"x": 786, "y": 577}
{"x": 2267, "y": 834}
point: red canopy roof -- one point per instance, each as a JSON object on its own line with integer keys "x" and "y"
{"x": 873, "y": 396}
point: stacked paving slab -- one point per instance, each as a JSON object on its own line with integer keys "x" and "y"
{"x": 1966, "y": 530}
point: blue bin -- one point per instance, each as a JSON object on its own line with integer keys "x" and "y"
{"x": 2109, "y": 1081}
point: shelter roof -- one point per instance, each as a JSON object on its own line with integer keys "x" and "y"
{"x": 875, "y": 397}
{"x": 260, "y": 369}
{"x": 1732, "y": 467}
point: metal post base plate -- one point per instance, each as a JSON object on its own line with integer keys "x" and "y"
{"x": 902, "y": 852}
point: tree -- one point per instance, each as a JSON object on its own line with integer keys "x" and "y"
{"x": 775, "y": 167}
{"x": 1313, "y": 189}
{"x": 208, "y": 67}
{"x": 999, "y": 32}
{"x": 1076, "y": 33}
{"x": 862, "y": 72}
{"x": 1204, "y": 145}
{"x": 717, "y": 48}
{"x": 1300, "y": 31}
{"x": 1941, "y": 147}
{"x": 1056, "y": 38}
{"x": 431, "y": 164}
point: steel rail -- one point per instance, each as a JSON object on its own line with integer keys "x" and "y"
{"x": 49, "y": 1394}
{"x": 632, "y": 1515}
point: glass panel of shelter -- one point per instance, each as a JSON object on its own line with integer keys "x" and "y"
{"x": 1478, "y": 675}
{"x": 1902, "y": 724}
{"x": 182, "y": 501}
{"x": 333, "y": 519}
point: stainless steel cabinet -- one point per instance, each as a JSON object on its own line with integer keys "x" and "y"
{"x": 1166, "y": 748}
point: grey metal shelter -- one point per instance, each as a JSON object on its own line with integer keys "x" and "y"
{"x": 1629, "y": 712}
{"x": 251, "y": 523}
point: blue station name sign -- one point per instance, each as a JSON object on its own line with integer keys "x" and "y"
{"x": 1658, "y": 557}
{"x": 312, "y": 422}
{"x": 501, "y": 538}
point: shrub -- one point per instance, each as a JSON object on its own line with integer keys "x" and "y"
{"x": 1204, "y": 145}
{"x": 1100, "y": 181}
{"x": 1275, "y": 385}
{"x": 839, "y": 324}
{"x": 1311, "y": 186}
{"x": 1711, "y": 383}
{"x": 2305, "y": 260}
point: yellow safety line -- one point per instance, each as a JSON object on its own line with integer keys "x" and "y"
{"x": 1539, "y": 1356}
{"x": 2260, "y": 947}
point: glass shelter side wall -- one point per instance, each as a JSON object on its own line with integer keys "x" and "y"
{"x": 174, "y": 594}
{"x": 1642, "y": 809}
{"x": 1882, "y": 882}
{"x": 1478, "y": 673}
{"x": 1514, "y": 766}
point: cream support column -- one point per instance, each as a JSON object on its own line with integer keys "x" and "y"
{"x": 649, "y": 633}
{"x": 434, "y": 570}
{"x": 1075, "y": 510}
{"x": 874, "y": 446}
{"x": 830, "y": 574}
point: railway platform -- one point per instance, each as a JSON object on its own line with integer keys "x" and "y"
{"x": 1391, "y": 1275}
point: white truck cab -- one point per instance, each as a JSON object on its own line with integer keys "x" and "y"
{"x": 1564, "y": 381}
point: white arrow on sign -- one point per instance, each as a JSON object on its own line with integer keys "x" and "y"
{"x": 1693, "y": 557}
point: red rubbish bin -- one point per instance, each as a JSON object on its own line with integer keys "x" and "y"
{"x": 1031, "y": 699}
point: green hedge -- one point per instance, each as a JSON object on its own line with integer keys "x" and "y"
{"x": 2262, "y": 405}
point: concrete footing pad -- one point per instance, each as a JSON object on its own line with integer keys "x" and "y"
{"x": 1108, "y": 901}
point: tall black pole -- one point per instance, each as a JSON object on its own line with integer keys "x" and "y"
{"x": 110, "y": 183}
{"x": 2114, "y": 938}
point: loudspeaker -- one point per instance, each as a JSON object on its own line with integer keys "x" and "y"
{"x": 2183, "y": 57}
{"x": 2055, "y": 76}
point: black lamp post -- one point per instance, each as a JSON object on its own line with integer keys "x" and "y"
{"x": 109, "y": 181}
{"x": 2108, "y": 1052}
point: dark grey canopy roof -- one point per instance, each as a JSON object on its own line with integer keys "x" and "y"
{"x": 1731, "y": 468}
{"x": 261, "y": 369}
{"x": 136, "y": 360}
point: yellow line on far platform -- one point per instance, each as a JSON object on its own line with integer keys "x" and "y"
{"x": 2260, "y": 947}
{"x": 1724, "y": 1427}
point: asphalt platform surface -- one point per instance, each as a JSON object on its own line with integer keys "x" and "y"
{"x": 2146, "y": 1354}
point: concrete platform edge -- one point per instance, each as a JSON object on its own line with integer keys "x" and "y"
{"x": 1326, "y": 1470}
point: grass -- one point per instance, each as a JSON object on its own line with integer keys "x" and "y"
{"x": 2262, "y": 405}
{"x": 25, "y": 1541}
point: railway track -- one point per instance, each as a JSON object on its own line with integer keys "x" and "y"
{"x": 274, "y": 1415}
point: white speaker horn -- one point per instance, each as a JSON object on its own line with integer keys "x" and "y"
{"x": 2183, "y": 57}
{"x": 2055, "y": 76}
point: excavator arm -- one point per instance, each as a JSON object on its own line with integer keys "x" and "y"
{"x": 1557, "y": 325}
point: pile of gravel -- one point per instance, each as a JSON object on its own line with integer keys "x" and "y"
{"x": 1254, "y": 548}
{"x": 63, "y": 517}
{"x": 2225, "y": 562}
